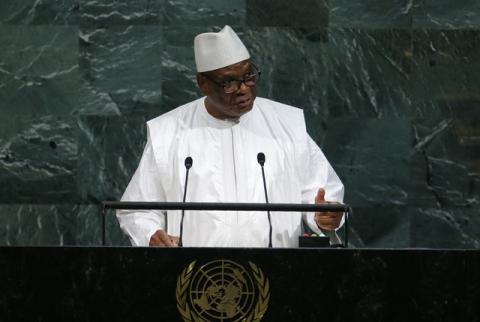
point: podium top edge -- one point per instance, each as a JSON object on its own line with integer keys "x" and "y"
{"x": 217, "y": 206}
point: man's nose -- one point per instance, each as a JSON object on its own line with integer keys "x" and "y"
{"x": 243, "y": 87}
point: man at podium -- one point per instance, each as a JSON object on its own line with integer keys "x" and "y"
{"x": 223, "y": 132}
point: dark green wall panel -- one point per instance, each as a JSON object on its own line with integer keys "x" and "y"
{"x": 369, "y": 73}
{"x": 306, "y": 13}
{"x": 372, "y": 14}
{"x": 109, "y": 151}
{"x": 45, "y": 12}
{"x": 445, "y": 14}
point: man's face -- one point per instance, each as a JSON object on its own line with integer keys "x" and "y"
{"x": 220, "y": 104}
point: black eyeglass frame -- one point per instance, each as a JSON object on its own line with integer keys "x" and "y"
{"x": 224, "y": 84}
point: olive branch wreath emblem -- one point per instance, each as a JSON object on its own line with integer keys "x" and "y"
{"x": 188, "y": 315}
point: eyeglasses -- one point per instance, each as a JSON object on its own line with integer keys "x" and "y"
{"x": 232, "y": 85}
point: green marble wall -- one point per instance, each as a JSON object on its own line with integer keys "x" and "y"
{"x": 390, "y": 89}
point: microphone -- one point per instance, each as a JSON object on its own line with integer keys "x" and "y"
{"x": 188, "y": 165}
{"x": 261, "y": 161}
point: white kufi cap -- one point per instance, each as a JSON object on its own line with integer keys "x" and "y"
{"x": 214, "y": 50}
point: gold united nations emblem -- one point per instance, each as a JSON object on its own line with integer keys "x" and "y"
{"x": 222, "y": 290}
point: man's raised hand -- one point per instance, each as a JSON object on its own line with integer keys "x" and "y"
{"x": 326, "y": 220}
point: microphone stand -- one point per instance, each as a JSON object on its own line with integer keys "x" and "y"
{"x": 188, "y": 165}
{"x": 261, "y": 161}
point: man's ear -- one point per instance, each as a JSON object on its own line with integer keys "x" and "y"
{"x": 203, "y": 85}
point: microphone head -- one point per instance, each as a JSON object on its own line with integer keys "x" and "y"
{"x": 188, "y": 162}
{"x": 261, "y": 158}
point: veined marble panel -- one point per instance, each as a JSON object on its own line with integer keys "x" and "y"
{"x": 378, "y": 227}
{"x": 107, "y": 13}
{"x": 298, "y": 78}
{"x": 179, "y": 84}
{"x": 180, "y": 13}
{"x": 45, "y": 12}
{"x": 372, "y": 14}
{"x": 369, "y": 73}
{"x": 38, "y": 65}
{"x": 109, "y": 151}
{"x": 282, "y": 13}
{"x": 445, "y": 14}
{"x": 446, "y": 117}
{"x": 39, "y": 164}
{"x": 372, "y": 159}
{"x": 48, "y": 224}
{"x": 125, "y": 63}
{"x": 445, "y": 228}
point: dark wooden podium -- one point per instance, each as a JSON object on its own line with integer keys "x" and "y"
{"x": 151, "y": 284}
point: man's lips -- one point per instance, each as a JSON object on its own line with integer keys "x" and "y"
{"x": 244, "y": 102}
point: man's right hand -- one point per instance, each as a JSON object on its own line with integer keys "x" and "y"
{"x": 161, "y": 239}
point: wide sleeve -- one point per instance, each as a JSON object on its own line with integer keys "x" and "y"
{"x": 319, "y": 174}
{"x": 145, "y": 185}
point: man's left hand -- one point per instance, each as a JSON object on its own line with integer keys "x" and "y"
{"x": 326, "y": 220}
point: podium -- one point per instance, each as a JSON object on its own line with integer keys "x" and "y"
{"x": 156, "y": 284}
